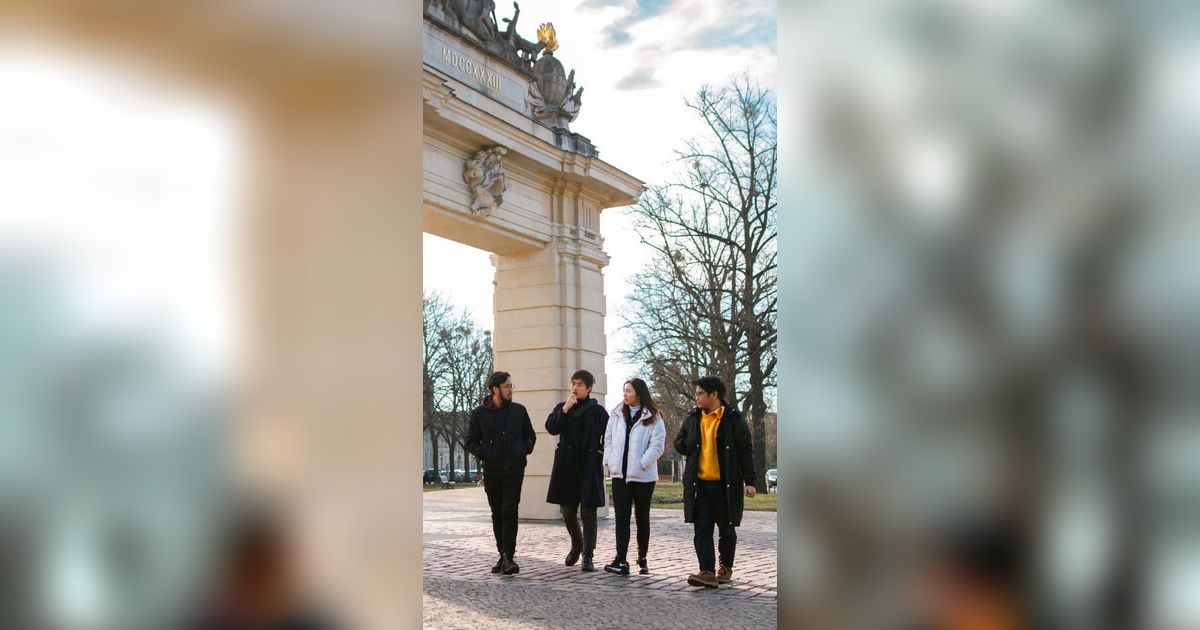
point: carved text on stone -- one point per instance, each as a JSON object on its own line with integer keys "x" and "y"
{"x": 471, "y": 67}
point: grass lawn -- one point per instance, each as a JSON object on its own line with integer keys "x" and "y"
{"x": 669, "y": 495}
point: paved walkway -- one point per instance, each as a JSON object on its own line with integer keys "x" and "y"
{"x": 461, "y": 592}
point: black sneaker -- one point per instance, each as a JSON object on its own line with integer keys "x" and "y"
{"x": 508, "y": 567}
{"x": 572, "y": 558}
{"x": 617, "y": 567}
{"x": 643, "y": 568}
{"x": 499, "y": 565}
{"x": 587, "y": 564}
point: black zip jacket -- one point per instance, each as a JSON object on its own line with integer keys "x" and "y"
{"x": 501, "y": 437}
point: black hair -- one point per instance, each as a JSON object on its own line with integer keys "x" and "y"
{"x": 643, "y": 393}
{"x": 496, "y": 380}
{"x": 585, "y": 376}
{"x": 711, "y": 384}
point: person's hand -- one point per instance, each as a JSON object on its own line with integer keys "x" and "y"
{"x": 750, "y": 491}
{"x": 571, "y": 400}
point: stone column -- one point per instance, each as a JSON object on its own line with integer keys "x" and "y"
{"x": 549, "y": 310}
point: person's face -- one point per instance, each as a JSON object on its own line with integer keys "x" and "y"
{"x": 579, "y": 389}
{"x": 706, "y": 400}
{"x": 631, "y": 397}
{"x": 505, "y": 389}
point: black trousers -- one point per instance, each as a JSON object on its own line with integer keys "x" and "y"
{"x": 504, "y": 494}
{"x": 712, "y": 508}
{"x": 582, "y": 540}
{"x": 627, "y": 495}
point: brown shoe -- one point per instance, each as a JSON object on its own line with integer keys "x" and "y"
{"x": 704, "y": 578}
{"x": 724, "y": 574}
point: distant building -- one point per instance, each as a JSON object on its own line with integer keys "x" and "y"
{"x": 443, "y": 454}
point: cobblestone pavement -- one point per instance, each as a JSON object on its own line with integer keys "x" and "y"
{"x": 461, "y": 592}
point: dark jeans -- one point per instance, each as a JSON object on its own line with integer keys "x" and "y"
{"x": 712, "y": 507}
{"x": 583, "y": 540}
{"x": 503, "y": 494}
{"x": 626, "y": 495}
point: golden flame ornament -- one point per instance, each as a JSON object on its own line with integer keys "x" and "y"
{"x": 547, "y": 37}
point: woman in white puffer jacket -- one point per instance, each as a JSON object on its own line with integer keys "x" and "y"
{"x": 633, "y": 442}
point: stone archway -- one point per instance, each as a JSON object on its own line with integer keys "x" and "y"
{"x": 544, "y": 234}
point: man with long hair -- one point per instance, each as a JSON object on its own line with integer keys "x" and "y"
{"x": 577, "y": 479}
{"x": 720, "y": 468}
{"x": 501, "y": 436}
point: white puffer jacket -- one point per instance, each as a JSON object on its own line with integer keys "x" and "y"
{"x": 646, "y": 445}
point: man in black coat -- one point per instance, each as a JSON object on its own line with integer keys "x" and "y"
{"x": 501, "y": 436}
{"x": 720, "y": 463}
{"x": 577, "y": 480}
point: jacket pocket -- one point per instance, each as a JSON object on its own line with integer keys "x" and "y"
{"x": 642, "y": 458}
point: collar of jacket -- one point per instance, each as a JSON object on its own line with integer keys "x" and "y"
{"x": 730, "y": 413}
{"x": 619, "y": 412}
{"x": 581, "y": 406}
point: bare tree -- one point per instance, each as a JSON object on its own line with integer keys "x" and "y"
{"x": 673, "y": 396}
{"x": 707, "y": 303}
{"x": 436, "y": 313}
{"x": 457, "y": 362}
{"x": 465, "y": 370}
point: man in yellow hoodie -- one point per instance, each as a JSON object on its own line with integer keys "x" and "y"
{"x": 719, "y": 470}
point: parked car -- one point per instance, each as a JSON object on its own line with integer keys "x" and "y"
{"x": 430, "y": 476}
{"x": 772, "y": 479}
{"x": 459, "y": 475}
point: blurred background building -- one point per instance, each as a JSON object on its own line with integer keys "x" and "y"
{"x": 205, "y": 213}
